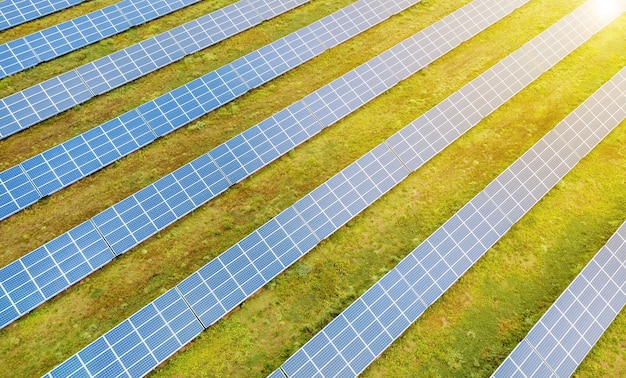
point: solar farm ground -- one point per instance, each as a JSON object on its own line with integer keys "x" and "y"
{"x": 468, "y": 332}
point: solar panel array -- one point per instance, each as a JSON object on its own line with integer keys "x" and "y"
{"x": 564, "y": 335}
{"x": 15, "y": 12}
{"x": 349, "y": 343}
{"x": 223, "y": 283}
{"x": 47, "y": 44}
{"x": 150, "y": 336}
{"x": 23, "y": 109}
{"x": 226, "y": 281}
{"x": 63, "y": 261}
{"x": 133, "y": 220}
{"x": 68, "y": 162}
{"x": 24, "y": 184}
{"x": 240, "y": 271}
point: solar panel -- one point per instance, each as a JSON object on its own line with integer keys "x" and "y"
{"x": 15, "y": 12}
{"x": 84, "y": 30}
{"x": 564, "y": 335}
{"x": 140, "y": 216}
{"x": 94, "y": 149}
{"x": 66, "y": 163}
{"x": 32, "y": 105}
{"x": 139, "y": 12}
{"x": 366, "y": 328}
{"x": 16, "y": 191}
{"x": 42, "y": 101}
{"x": 137, "y": 345}
{"x": 50, "y": 269}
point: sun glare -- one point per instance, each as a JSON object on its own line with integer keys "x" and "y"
{"x": 608, "y": 8}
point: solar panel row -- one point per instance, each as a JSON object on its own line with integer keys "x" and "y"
{"x": 47, "y": 44}
{"x": 223, "y": 283}
{"x": 13, "y": 13}
{"x": 29, "y": 281}
{"x": 564, "y": 335}
{"x": 137, "y": 345}
{"x": 64, "y": 164}
{"x": 23, "y": 109}
{"x": 347, "y": 345}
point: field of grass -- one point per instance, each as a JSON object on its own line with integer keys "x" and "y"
{"x": 468, "y": 332}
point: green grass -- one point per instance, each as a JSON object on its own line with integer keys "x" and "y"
{"x": 468, "y": 332}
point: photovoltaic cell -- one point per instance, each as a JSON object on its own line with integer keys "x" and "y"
{"x": 356, "y": 337}
{"x": 15, "y": 12}
{"x": 32, "y": 105}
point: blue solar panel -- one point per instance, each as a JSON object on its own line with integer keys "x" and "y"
{"x": 16, "y": 56}
{"x": 138, "y": 344}
{"x": 270, "y": 8}
{"x": 372, "y": 322}
{"x": 223, "y": 283}
{"x": 71, "y": 35}
{"x": 138, "y": 12}
{"x": 16, "y": 12}
{"x": 72, "y": 160}
{"x": 36, "y": 103}
{"x": 153, "y": 208}
{"x": 50, "y": 269}
{"x": 16, "y": 191}
{"x": 21, "y": 292}
{"x": 174, "y": 109}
